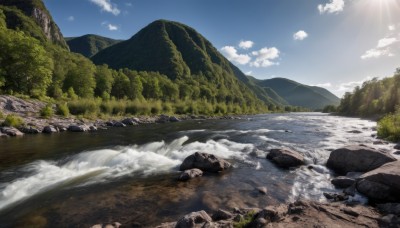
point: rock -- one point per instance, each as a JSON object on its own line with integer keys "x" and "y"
{"x": 222, "y": 215}
{"x": 270, "y": 214}
{"x": 29, "y": 130}
{"x": 336, "y": 197}
{"x": 190, "y": 174}
{"x": 162, "y": 119}
{"x": 262, "y": 190}
{"x": 285, "y": 158}
{"x": 258, "y": 223}
{"x": 390, "y": 220}
{"x": 382, "y": 184}
{"x": 174, "y": 119}
{"x": 342, "y": 182}
{"x": 119, "y": 124}
{"x": 78, "y": 128}
{"x": 397, "y": 152}
{"x": 110, "y": 123}
{"x": 3, "y": 135}
{"x": 205, "y": 162}
{"x": 358, "y": 159}
{"x": 355, "y": 131}
{"x": 11, "y": 131}
{"x": 92, "y": 128}
{"x": 113, "y": 225}
{"x": 351, "y": 212}
{"x": 49, "y": 129}
{"x": 194, "y": 219}
{"x": 350, "y": 191}
{"x": 129, "y": 121}
{"x": 397, "y": 147}
{"x": 380, "y": 142}
{"x": 389, "y": 208}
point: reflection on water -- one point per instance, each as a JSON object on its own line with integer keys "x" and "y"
{"x": 129, "y": 175}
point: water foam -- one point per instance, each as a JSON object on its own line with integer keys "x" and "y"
{"x": 107, "y": 164}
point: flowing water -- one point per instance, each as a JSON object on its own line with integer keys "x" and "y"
{"x": 129, "y": 174}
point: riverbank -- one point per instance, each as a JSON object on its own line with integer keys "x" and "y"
{"x": 32, "y": 122}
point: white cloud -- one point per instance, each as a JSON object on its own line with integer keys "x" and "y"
{"x": 107, "y": 6}
{"x": 349, "y": 86}
{"x": 386, "y": 42}
{"x": 71, "y": 18}
{"x": 232, "y": 55}
{"x": 324, "y": 85}
{"x": 335, "y": 6}
{"x": 265, "y": 56}
{"x": 129, "y": 4}
{"x": 392, "y": 27}
{"x": 246, "y": 44}
{"x": 249, "y": 72}
{"x": 300, "y": 35}
{"x": 383, "y": 48}
{"x": 112, "y": 27}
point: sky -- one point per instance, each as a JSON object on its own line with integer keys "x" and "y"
{"x": 335, "y": 44}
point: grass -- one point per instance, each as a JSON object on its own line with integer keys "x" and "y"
{"x": 389, "y": 127}
{"x": 13, "y": 121}
{"x": 62, "y": 109}
{"x": 47, "y": 111}
{"x": 248, "y": 218}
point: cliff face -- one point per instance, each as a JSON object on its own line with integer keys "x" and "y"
{"x": 37, "y": 10}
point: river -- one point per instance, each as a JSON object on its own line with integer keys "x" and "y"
{"x": 129, "y": 174}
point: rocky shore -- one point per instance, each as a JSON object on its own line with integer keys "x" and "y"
{"x": 29, "y": 112}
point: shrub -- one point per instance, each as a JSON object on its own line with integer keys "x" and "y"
{"x": 62, "y": 110}
{"x": 389, "y": 127}
{"x": 1, "y": 115}
{"x": 84, "y": 106}
{"x": 245, "y": 220}
{"x": 13, "y": 121}
{"x": 47, "y": 111}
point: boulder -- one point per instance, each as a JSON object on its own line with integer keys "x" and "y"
{"x": 92, "y": 128}
{"x": 205, "y": 162}
{"x": 190, "y": 174}
{"x": 357, "y": 159}
{"x": 397, "y": 152}
{"x": 11, "y": 131}
{"x": 129, "y": 121}
{"x": 285, "y": 158}
{"x": 381, "y": 184}
{"x": 343, "y": 182}
{"x": 29, "y": 130}
{"x": 119, "y": 124}
{"x": 262, "y": 190}
{"x": 397, "y": 147}
{"x": 78, "y": 128}
{"x": 194, "y": 219}
{"x": 162, "y": 119}
{"x": 174, "y": 119}
{"x": 222, "y": 215}
{"x": 389, "y": 208}
{"x": 110, "y": 123}
{"x": 49, "y": 129}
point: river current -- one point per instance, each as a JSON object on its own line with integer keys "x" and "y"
{"x": 129, "y": 174}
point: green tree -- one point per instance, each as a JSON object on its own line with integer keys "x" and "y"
{"x": 104, "y": 81}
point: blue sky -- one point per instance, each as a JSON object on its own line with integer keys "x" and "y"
{"x": 336, "y": 44}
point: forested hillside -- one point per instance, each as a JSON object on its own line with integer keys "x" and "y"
{"x": 89, "y": 45}
{"x": 376, "y": 98}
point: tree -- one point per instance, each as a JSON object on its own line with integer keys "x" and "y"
{"x": 104, "y": 81}
{"x": 80, "y": 77}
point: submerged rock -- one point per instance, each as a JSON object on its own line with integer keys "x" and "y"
{"x": 205, "y": 162}
{"x": 357, "y": 159}
{"x": 190, "y": 174}
{"x": 285, "y": 158}
{"x": 382, "y": 184}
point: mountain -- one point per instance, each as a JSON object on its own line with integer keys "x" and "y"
{"x": 89, "y": 45}
{"x": 181, "y": 53}
{"x": 297, "y": 94}
{"x": 18, "y": 18}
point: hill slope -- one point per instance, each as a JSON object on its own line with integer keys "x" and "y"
{"x": 89, "y": 45}
{"x": 181, "y": 53}
{"x": 297, "y": 94}
{"x": 33, "y": 9}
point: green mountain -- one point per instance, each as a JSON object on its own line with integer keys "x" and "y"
{"x": 19, "y": 14}
{"x": 89, "y": 45}
{"x": 297, "y": 94}
{"x": 182, "y": 54}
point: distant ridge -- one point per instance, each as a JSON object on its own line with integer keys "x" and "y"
{"x": 89, "y": 45}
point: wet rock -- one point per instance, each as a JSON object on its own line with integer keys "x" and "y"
{"x": 262, "y": 190}
{"x": 110, "y": 123}
{"x": 397, "y": 147}
{"x": 350, "y": 191}
{"x": 162, "y": 119}
{"x": 174, "y": 119}
{"x": 205, "y": 162}
{"x": 92, "y": 128}
{"x": 396, "y": 152}
{"x": 11, "y": 131}
{"x": 381, "y": 184}
{"x": 355, "y": 131}
{"x": 380, "y": 142}
{"x": 285, "y": 158}
{"x": 49, "y": 129}
{"x": 357, "y": 158}
{"x": 389, "y": 208}
{"x": 78, "y": 128}
{"x": 258, "y": 223}
{"x": 342, "y": 182}
{"x": 336, "y": 197}
{"x": 119, "y": 124}
{"x": 113, "y": 225}
{"x": 29, "y": 130}
{"x": 3, "y": 135}
{"x": 129, "y": 121}
{"x": 351, "y": 212}
{"x": 390, "y": 220}
{"x": 190, "y": 174}
{"x": 194, "y": 219}
{"x": 222, "y": 215}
